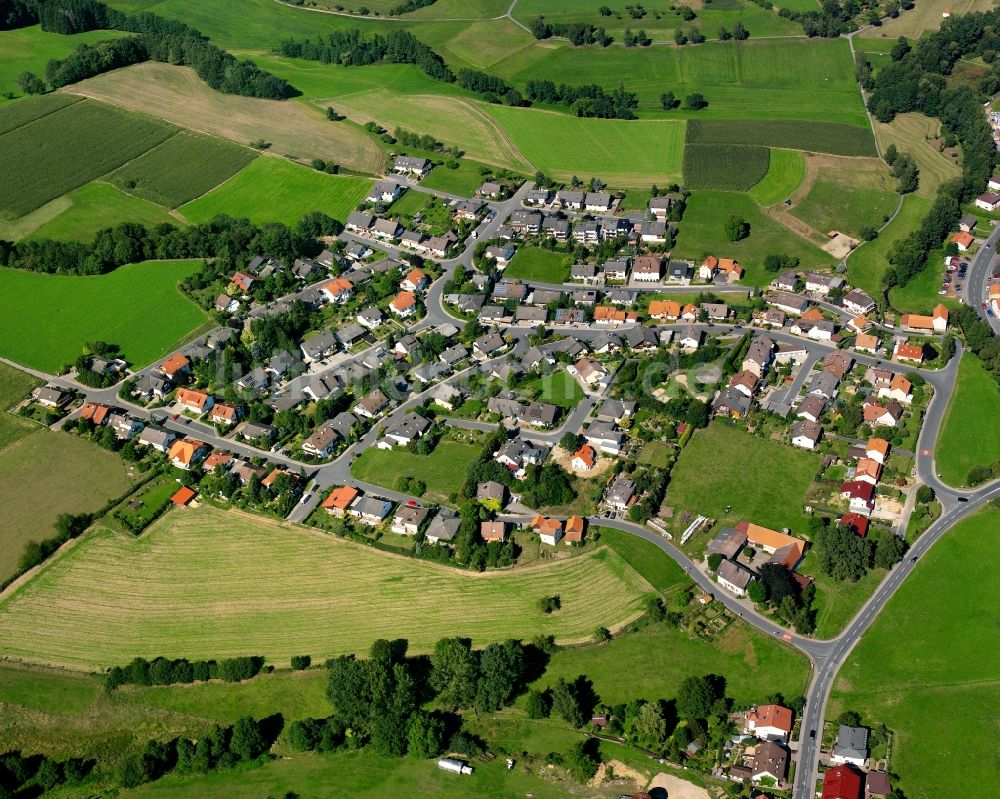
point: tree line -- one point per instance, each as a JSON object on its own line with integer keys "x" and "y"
{"x": 28, "y": 775}
{"x": 586, "y": 101}
{"x": 157, "y": 39}
{"x": 578, "y": 33}
{"x": 164, "y": 671}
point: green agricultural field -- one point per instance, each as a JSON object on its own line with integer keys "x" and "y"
{"x": 968, "y": 437}
{"x": 543, "y": 266}
{"x": 274, "y": 190}
{"x": 849, "y": 195}
{"x": 15, "y": 385}
{"x": 32, "y": 108}
{"x": 816, "y": 136}
{"x": 927, "y": 667}
{"x": 443, "y": 471}
{"x": 69, "y": 147}
{"x": 269, "y": 588}
{"x": 558, "y": 388}
{"x": 711, "y": 474}
{"x": 620, "y": 152}
{"x": 29, "y": 50}
{"x": 785, "y": 170}
{"x": 34, "y": 493}
{"x": 78, "y": 216}
{"x": 733, "y": 167}
{"x": 660, "y": 657}
{"x": 703, "y": 232}
{"x": 137, "y": 307}
{"x": 867, "y": 263}
{"x": 185, "y": 166}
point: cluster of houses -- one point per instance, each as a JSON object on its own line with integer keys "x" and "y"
{"x": 860, "y": 488}
{"x": 382, "y": 228}
{"x": 747, "y": 547}
{"x": 763, "y": 756}
{"x": 651, "y": 270}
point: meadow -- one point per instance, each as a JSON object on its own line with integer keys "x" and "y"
{"x": 816, "y": 136}
{"x": 275, "y": 190}
{"x": 34, "y": 491}
{"x": 14, "y": 386}
{"x": 728, "y": 167}
{"x": 656, "y": 567}
{"x": 913, "y": 134}
{"x": 785, "y": 169}
{"x": 462, "y": 181}
{"x": 847, "y": 195}
{"x": 711, "y": 474}
{"x": 927, "y": 667}
{"x": 702, "y": 232}
{"x": 968, "y": 437}
{"x": 927, "y": 16}
{"x": 867, "y": 263}
{"x": 185, "y": 166}
{"x": 292, "y": 129}
{"x": 207, "y": 583}
{"x": 69, "y": 147}
{"x": 137, "y": 307}
{"x": 443, "y": 471}
{"x": 544, "y": 266}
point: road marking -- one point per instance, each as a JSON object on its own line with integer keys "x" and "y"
{"x": 927, "y": 452}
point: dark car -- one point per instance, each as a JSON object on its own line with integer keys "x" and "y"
{"x": 963, "y": 499}
{"x": 812, "y": 733}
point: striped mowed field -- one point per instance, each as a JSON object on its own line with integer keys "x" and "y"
{"x": 206, "y": 583}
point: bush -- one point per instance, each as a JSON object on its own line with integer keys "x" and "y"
{"x": 300, "y": 662}
{"x": 549, "y": 604}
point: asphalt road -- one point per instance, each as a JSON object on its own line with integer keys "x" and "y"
{"x": 980, "y": 272}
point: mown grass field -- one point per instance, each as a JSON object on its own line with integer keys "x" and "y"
{"x": 729, "y": 167}
{"x": 703, "y": 232}
{"x": 968, "y": 437}
{"x": 711, "y": 474}
{"x": 30, "y": 49}
{"x": 868, "y": 263}
{"x": 912, "y": 133}
{"x": 177, "y": 95}
{"x": 45, "y": 474}
{"x": 659, "y": 570}
{"x": 544, "y": 266}
{"x": 558, "y": 387}
{"x": 15, "y": 385}
{"x": 206, "y": 583}
{"x": 848, "y": 195}
{"x": 68, "y": 148}
{"x": 927, "y": 667}
{"x": 138, "y": 307}
{"x": 443, "y": 471}
{"x": 785, "y": 169}
{"x": 927, "y": 17}
{"x": 274, "y": 190}
{"x": 815, "y": 136}
{"x": 182, "y": 168}
{"x": 77, "y": 216}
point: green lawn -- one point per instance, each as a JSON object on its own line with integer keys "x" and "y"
{"x": 969, "y": 435}
{"x": 836, "y": 602}
{"x": 462, "y": 181}
{"x": 138, "y": 307}
{"x": 275, "y": 190}
{"x": 656, "y": 660}
{"x": 14, "y": 386}
{"x": 655, "y": 453}
{"x": 558, "y": 388}
{"x": 703, "y": 232}
{"x": 659, "y": 569}
{"x": 34, "y": 491}
{"x": 763, "y": 481}
{"x": 867, "y": 264}
{"x": 927, "y": 667}
{"x": 543, "y": 266}
{"x": 81, "y": 213}
{"x": 784, "y": 174}
{"x": 443, "y": 471}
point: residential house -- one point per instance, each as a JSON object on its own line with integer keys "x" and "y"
{"x": 615, "y": 410}
{"x": 386, "y": 229}
{"x": 415, "y": 280}
{"x": 490, "y": 190}
{"x": 340, "y": 500}
{"x": 251, "y": 431}
{"x": 158, "y": 439}
{"x": 226, "y": 304}
{"x": 531, "y": 316}
{"x": 448, "y": 397}
{"x": 605, "y": 437}
{"x": 493, "y": 531}
{"x": 126, "y": 428}
{"x": 597, "y": 201}
{"x": 149, "y": 387}
{"x": 855, "y": 522}
{"x": 806, "y": 434}
{"x": 404, "y": 304}
{"x": 242, "y": 281}
{"x": 791, "y": 304}
{"x": 371, "y": 511}
{"x": 549, "y": 530}
{"x": 529, "y": 222}
{"x": 322, "y": 345}
{"x": 887, "y": 415}
{"x": 769, "y": 761}
{"x": 509, "y": 290}
{"x": 963, "y": 240}
{"x": 384, "y": 191}
{"x": 589, "y": 371}
{"x": 501, "y": 254}
{"x": 406, "y": 430}
{"x": 839, "y": 363}
{"x": 744, "y": 382}
{"x": 609, "y": 315}
{"x": 358, "y": 251}
{"x": 322, "y": 441}
{"x": 574, "y": 530}
{"x": 689, "y": 338}
{"x": 877, "y": 449}
{"x": 359, "y": 222}
{"x": 616, "y": 270}
{"x": 860, "y": 496}
{"x": 186, "y": 453}
{"x": 730, "y": 269}
{"x": 647, "y": 269}
{"x": 708, "y": 268}
{"x": 556, "y": 228}
{"x": 937, "y": 322}
{"x": 488, "y": 345}
{"x": 659, "y": 207}
{"x": 811, "y": 408}
{"x": 469, "y": 210}
{"x": 654, "y": 232}
{"x": 680, "y": 272}
{"x": 538, "y": 197}
{"x": 968, "y": 221}
{"x": 899, "y": 389}
{"x": 408, "y": 519}
{"x": 541, "y": 414}
{"x": 370, "y": 318}
{"x": 868, "y": 470}
{"x": 865, "y": 342}
{"x": 689, "y": 313}
{"x": 877, "y": 784}
{"x": 732, "y": 403}
{"x": 51, "y": 396}
{"x": 716, "y": 311}
{"x": 770, "y": 722}
{"x": 758, "y": 356}
{"x": 491, "y": 494}
{"x": 224, "y": 414}
{"x": 194, "y": 401}
{"x": 857, "y": 302}
{"x": 734, "y": 577}
{"x": 176, "y": 367}
{"x": 664, "y": 310}
{"x": 587, "y": 231}
{"x": 372, "y": 405}
{"x": 438, "y": 246}
{"x": 443, "y": 528}
{"x": 570, "y": 199}
{"x": 842, "y": 782}
{"x": 584, "y": 458}
{"x": 823, "y": 384}
{"x": 621, "y": 493}
{"x": 518, "y": 453}
{"x": 908, "y": 352}
{"x": 784, "y": 549}
{"x": 859, "y": 324}
{"x": 851, "y": 746}
{"x": 791, "y": 353}
{"x": 583, "y": 273}
{"x": 786, "y": 281}
{"x": 411, "y": 165}
{"x": 822, "y": 284}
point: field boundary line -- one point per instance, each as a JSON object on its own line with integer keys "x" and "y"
{"x": 103, "y": 178}
{"x": 48, "y": 114}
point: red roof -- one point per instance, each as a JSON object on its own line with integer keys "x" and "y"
{"x": 183, "y": 496}
{"x": 842, "y": 782}
{"x": 857, "y": 523}
{"x": 858, "y": 489}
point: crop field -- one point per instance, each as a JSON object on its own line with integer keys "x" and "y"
{"x": 711, "y": 475}
{"x": 34, "y": 493}
{"x": 443, "y": 471}
{"x": 927, "y": 667}
{"x": 785, "y": 169}
{"x": 206, "y": 583}
{"x": 543, "y": 266}
{"x": 70, "y": 147}
{"x": 732, "y": 167}
{"x": 847, "y": 195}
{"x": 48, "y": 318}
{"x": 968, "y": 437}
{"x": 868, "y": 263}
{"x": 29, "y": 50}
{"x": 702, "y": 232}
{"x": 622, "y": 153}
{"x": 177, "y": 95}
{"x": 185, "y": 166}
{"x": 274, "y": 190}
{"x": 913, "y": 134}
{"x": 818, "y": 136}
{"x": 77, "y": 216}
{"x": 14, "y": 386}
{"x": 27, "y": 110}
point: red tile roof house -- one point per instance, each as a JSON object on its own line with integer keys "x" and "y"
{"x": 340, "y": 500}
{"x": 183, "y": 496}
{"x": 855, "y": 522}
{"x": 175, "y": 366}
{"x": 337, "y": 290}
{"x": 194, "y": 401}
{"x": 493, "y": 531}
{"x": 404, "y": 304}
{"x": 877, "y": 449}
{"x": 414, "y": 281}
{"x": 242, "y": 280}
{"x": 842, "y": 782}
{"x": 575, "y": 528}
{"x": 770, "y": 722}
{"x": 860, "y": 495}
{"x": 549, "y": 530}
